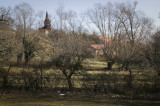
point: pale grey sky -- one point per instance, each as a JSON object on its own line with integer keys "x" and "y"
{"x": 150, "y": 7}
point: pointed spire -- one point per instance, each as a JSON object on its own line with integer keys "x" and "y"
{"x": 47, "y": 22}
{"x": 46, "y": 15}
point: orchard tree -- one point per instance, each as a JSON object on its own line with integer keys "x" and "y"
{"x": 134, "y": 29}
{"x": 70, "y": 51}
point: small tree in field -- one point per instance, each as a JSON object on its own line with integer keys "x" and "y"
{"x": 71, "y": 51}
{"x": 69, "y": 64}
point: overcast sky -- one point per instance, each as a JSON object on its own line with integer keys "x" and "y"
{"x": 150, "y": 7}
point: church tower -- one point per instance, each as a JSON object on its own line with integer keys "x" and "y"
{"x": 47, "y": 22}
{"x": 47, "y": 25}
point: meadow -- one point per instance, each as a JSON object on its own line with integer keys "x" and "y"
{"x": 94, "y": 86}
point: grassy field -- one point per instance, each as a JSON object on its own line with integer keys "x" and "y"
{"x": 95, "y": 69}
{"x": 32, "y": 100}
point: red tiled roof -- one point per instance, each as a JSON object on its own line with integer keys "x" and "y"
{"x": 101, "y": 46}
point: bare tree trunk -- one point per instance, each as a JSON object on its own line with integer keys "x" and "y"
{"x": 110, "y": 64}
{"x": 68, "y": 77}
{"x": 5, "y": 78}
{"x": 130, "y": 80}
{"x": 126, "y": 67}
{"x": 19, "y": 58}
{"x": 26, "y": 60}
{"x": 70, "y": 83}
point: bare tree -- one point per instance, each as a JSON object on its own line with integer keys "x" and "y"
{"x": 39, "y": 19}
{"x": 71, "y": 19}
{"x": 102, "y": 17}
{"x": 133, "y": 32}
{"x": 61, "y": 18}
{"x": 134, "y": 29}
{"x": 24, "y": 22}
{"x": 70, "y": 52}
{"x": 24, "y": 17}
{"x": 6, "y": 21}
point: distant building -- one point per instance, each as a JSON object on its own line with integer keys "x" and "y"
{"x": 98, "y": 48}
{"x": 47, "y": 25}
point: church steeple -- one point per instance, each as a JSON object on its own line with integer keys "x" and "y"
{"x": 47, "y": 22}
{"x": 47, "y": 15}
{"x": 47, "y": 25}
